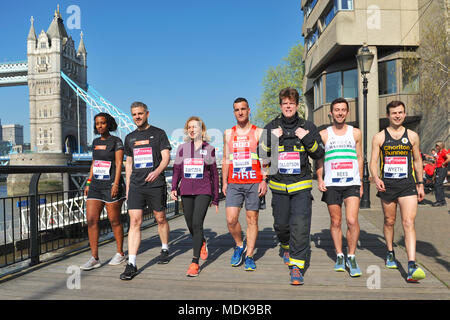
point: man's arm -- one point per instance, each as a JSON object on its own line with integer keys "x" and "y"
{"x": 320, "y": 163}
{"x": 359, "y": 155}
{"x": 128, "y": 169}
{"x": 418, "y": 165}
{"x": 165, "y": 159}
{"x": 311, "y": 139}
{"x": 373, "y": 166}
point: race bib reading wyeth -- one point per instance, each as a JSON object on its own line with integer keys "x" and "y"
{"x": 395, "y": 167}
{"x": 193, "y": 168}
{"x": 101, "y": 170}
{"x": 143, "y": 158}
{"x": 289, "y": 163}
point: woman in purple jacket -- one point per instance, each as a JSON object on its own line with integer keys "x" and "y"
{"x": 196, "y": 180}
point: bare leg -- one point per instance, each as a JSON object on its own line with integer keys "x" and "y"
{"x": 113, "y": 210}
{"x": 351, "y": 214}
{"x": 390, "y": 211}
{"x": 252, "y": 231}
{"x": 233, "y": 224}
{"x": 335, "y": 211}
{"x": 93, "y": 210}
{"x": 408, "y": 210}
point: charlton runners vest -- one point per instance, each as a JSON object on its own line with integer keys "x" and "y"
{"x": 244, "y": 162}
{"x": 341, "y": 163}
{"x": 396, "y": 159}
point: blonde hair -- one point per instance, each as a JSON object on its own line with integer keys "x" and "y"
{"x": 205, "y": 137}
{"x": 440, "y": 144}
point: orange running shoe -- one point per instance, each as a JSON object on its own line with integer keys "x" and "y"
{"x": 204, "y": 251}
{"x": 193, "y": 270}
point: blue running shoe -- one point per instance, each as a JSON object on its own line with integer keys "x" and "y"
{"x": 415, "y": 274}
{"x": 353, "y": 267}
{"x": 249, "y": 264}
{"x": 339, "y": 266}
{"x": 296, "y": 275}
{"x": 390, "y": 261}
{"x": 284, "y": 253}
{"x": 238, "y": 255}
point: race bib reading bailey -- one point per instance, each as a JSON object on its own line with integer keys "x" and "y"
{"x": 143, "y": 158}
{"x": 193, "y": 168}
{"x": 101, "y": 170}
{"x": 289, "y": 163}
{"x": 342, "y": 170}
{"x": 395, "y": 167}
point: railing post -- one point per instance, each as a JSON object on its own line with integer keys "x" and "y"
{"x": 34, "y": 219}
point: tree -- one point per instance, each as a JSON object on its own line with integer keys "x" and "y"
{"x": 426, "y": 73}
{"x": 288, "y": 74}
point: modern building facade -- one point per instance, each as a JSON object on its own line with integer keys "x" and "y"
{"x": 57, "y": 117}
{"x": 334, "y": 30}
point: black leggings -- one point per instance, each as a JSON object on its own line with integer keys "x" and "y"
{"x": 195, "y": 208}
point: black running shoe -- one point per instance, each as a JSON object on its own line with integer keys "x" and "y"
{"x": 164, "y": 257}
{"x": 129, "y": 273}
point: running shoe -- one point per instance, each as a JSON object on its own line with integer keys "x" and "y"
{"x": 204, "y": 251}
{"x": 91, "y": 264}
{"x": 339, "y": 266}
{"x": 249, "y": 264}
{"x": 390, "y": 261}
{"x": 117, "y": 259}
{"x": 353, "y": 267}
{"x": 129, "y": 273}
{"x": 238, "y": 255}
{"x": 193, "y": 270}
{"x": 164, "y": 257}
{"x": 284, "y": 253}
{"x": 296, "y": 275}
{"x": 415, "y": 274}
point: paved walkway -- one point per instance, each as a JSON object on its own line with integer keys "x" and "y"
{"x": 219, "y": 281}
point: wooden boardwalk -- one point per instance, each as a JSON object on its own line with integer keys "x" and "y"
{"x": 218, "y": 280}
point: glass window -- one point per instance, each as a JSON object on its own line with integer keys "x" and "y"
{"x": 310, "y": 40}
{"x": 328, "y": 17}
{"x": 350, "y": 83}
{"x": 333, "y": 86}
{"x": 343, "y": 4}
{"x": 318, "y": 92}
{"x": 387, "y": 77}
{"x": 410, "y": 76}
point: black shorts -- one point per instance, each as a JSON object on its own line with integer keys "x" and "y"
{"x": 154, "y": 198}
{"x": 397, "y": 189}
{"x": 104, "y": 195}
{"x": 336, "y": 195}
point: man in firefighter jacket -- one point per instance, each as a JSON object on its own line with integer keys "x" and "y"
{"x": 286, "y": 143}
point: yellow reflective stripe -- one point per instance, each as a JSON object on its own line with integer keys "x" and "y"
{"x": 302, "y": 149}
{"x": 280, "y": 148}
{"x": 277, "y": 186}
{"x": 298, "y": 263}
{"x": 314, "y": 147}
{"x": 284, "y": 246}
{"x": 264, "y": 147}
{"x": 299, "y": 185}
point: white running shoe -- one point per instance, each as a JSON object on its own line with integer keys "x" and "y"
{"x": 117, "y": 259}
{"x": 91, "y": 264}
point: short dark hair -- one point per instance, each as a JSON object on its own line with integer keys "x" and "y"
{"x": 338, "y": 100}
{"x": 137, "y": 104}
{"x": 290, "y": 93}
{"x": 240, "y": 99}
{"x": 394, "y": 104}
{"x": 110, "y": 121}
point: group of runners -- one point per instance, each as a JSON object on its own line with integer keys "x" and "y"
{"x": 275, "y": 157}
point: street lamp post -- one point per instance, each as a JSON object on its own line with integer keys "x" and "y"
{"x": 365, "y": 59}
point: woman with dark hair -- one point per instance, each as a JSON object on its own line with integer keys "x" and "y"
{"x": 196, "y": 179}
{"x": 105, "y": 188}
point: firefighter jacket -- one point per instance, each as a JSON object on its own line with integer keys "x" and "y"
{"x": 287, "y": 156}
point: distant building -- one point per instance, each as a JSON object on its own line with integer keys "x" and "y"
{"x": 12, "y": 133}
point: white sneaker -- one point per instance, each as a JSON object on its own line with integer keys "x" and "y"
{"x": 91, "y": 264}
{"x": 117, "y": 259}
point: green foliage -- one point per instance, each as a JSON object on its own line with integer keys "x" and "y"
{"x": 287, "y": 74}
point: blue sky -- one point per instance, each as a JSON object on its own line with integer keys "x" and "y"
{"x": 180, "y": 57}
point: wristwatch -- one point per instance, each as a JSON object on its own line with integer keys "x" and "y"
{"x": 419, "y": 182}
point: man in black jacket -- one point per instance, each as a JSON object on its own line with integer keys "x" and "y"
{"x": 287, "y": 142}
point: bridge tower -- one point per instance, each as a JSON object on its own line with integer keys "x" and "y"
{"x": 57, "y": 117}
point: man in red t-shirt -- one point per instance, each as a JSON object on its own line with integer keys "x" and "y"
{"x": 441, "y": 173}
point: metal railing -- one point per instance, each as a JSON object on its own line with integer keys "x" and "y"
{"x": 39, "y": 223}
